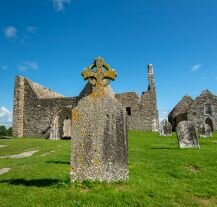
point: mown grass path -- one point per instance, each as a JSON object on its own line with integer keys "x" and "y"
{"x": 160, "y": 175}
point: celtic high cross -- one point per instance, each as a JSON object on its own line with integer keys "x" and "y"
{"x": 99, "y": 73}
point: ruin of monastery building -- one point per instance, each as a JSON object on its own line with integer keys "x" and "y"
{"x": 40, "y": 112}
{"x": 201, "y": 110}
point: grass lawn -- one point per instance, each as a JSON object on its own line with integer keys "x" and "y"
{"x": 160, "y": 175}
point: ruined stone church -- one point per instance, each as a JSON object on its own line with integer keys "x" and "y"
{"x": 41, "y": 112}
{"x": 201, "y": 110}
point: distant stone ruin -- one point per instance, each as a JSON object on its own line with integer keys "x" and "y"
{"x": 40, "y": 112}
{"x": 99, "y": 132}
{"x": 202, "y": 109}
{"x": 186, "y": 135}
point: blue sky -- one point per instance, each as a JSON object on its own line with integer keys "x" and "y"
{"x": 52, "y": 41}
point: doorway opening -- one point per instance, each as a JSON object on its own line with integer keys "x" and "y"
{"x": 61, "y": 125}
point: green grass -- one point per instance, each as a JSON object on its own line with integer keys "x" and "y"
{"x": 160, "y": 175}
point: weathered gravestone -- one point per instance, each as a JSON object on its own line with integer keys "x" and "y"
{"x": 165, "y": 128}
{"x": 205, "y": 131}
{"x": 99, "y": 132}
{"x": 186, "y": 135}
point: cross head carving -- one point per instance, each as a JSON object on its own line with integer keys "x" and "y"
{"x": 99, "y": 73}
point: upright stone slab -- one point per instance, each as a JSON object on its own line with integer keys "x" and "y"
{"x": 186, "y": 135}
{"x": 99, "y": 132}
{"x": 165, "y": 128}
{"x": 155, "y": 126}
{"x": 205, "y": 131}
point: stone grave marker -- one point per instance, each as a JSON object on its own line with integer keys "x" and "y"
{"x": 186, "y": 135}
{"x": 99, "y": 131}
{"x": 205, "y": 131}
{"x": 165, "y": 128}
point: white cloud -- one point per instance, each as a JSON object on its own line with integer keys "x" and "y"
{"x": 27, "y": 65}
{"x": 196, "y": 67}
{"x": 10, "y": 32}
{"x": 32, "y": 65}
{"x": 22, "y": 67}
{"x": 163, "y": 114}
{"x": 4, "y": 67}
{"x": 5, "y": 117}
{"x": 31, "y": 29}
{"x": 59, "y": 4}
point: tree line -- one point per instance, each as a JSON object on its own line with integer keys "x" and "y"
{"x": 5, "y": 132}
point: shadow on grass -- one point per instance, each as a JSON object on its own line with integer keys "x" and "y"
{"x": 40, "y": 183}
{"x": 33, "y": 183}
{"x": 167, "y": 148}
{"x": 5, "y": 137}
{"x": 58, "y": 162}
{"x": 66, "y": 138}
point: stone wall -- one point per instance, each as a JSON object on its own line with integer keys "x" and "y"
{"x": 196, "y": 112}
{"x": 36, "y": 106}
{"x": 18, "y": 108}
{"x": 32, "y": 115}
{"x": 131, "y": 102}
{"x": 179, "y": 112}
{"x": 143, "y": 110}
{"x": 42, "y": 92}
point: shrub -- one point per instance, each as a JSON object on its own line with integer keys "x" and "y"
{"x": 9, "y": 131}
{"x": 5, "y": 132}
